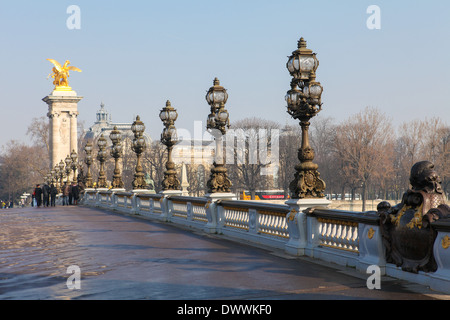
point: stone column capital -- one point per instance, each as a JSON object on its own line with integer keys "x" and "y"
{"x": 53, "y": 114}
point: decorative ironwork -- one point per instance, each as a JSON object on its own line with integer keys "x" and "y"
{"x": 138, "y": 147}
{"x": 61, "y": 175}
{"x": 74, "y": 165}
{"x": 406, "y": 228}
{"x": 303, "y": 103}
{"x": 101, "y": 157}
{"x": 218, "y": 121}
{"x": 88, "y": 161}
{"x": 169, "y": 138}
{"x": 68, "y": 168}
{"x": 116, "y": 153}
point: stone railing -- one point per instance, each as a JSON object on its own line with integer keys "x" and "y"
{"x": 346, "y": 238}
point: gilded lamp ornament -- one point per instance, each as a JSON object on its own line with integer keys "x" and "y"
{"x": 101, "y": 157}
{"x": 74, "y": 165}
{"x": 303, "y": 103}
{"x": 88, "y": 161}
{"x": 407, "y": 228}
{"x": 60, "y": 74}
{"x": 68, "y": 168}
{"x": 218, "y": 121}
{"x": 138, "y": 147}
{"x": 116, "y": 153}
{"x": 56, "y": 177}
{"x": 169, "y": 138}
{"x": 61, "y": 174}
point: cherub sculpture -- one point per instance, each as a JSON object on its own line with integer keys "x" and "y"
{"x": 61, "y": 73}
{"x": 406, "y": 228}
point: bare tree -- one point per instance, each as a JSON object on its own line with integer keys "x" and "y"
{"x": 408, "y": 150}
{"x": 425, "y": 139}
{"x": 323, "y": 139}
{"x": 21, "y": 168}
{"x": 290, "y": 141}
{"x": 247, "y": 171}
{"x": 361, "y": 143}
{"x": 39, "y": 131}
{"x": 155, "y": 159}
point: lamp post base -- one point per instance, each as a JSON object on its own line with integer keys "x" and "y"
{"x": 297, "y": 223}
{"x": 211, "y": 209}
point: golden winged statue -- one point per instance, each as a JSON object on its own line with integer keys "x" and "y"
{"x": 61, "y": 73}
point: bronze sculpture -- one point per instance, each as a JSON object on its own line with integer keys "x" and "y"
{"x": 407, "y": 231}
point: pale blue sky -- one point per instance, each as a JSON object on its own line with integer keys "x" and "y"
{"x": 135, "y": 55}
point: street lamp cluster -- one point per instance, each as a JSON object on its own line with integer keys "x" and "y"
{"x": 169, "y": 138}
{"x": 62, "y": 171}
{"x": 218, "y": 121}
{"x": 303, "y": 102}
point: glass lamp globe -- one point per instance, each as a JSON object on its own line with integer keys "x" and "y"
{"x": 101, "y": 141}
{"x": 302, "y": 62}
{"x": 74, "y": 156}
{"x": 115, "y": 135}
{"x": 222, "y": 116}
{"x": 88, "y": 147}
{"x": 68, "y": 160}
{"x": 138, "y": 126}
{"x": 216, "y": 94}
{"x": 313, "y": 91}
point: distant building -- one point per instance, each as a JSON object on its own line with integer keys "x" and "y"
{"x": 104, "y": 125}
{"x": 194, "y": 152}
{"x": 197, "y": 154}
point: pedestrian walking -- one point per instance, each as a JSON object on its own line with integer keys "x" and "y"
{"x": 75, "y": 193}
{"x": 46, "y": 195}
{"x": 70, "y": 193}
{"x": 53, "y": 193}
{"x": 38, "y": 195}
{"x": 65, "y": 194}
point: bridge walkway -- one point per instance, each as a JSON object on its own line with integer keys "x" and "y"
{"x": 128, "y": 258}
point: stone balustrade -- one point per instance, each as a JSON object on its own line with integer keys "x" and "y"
{"x": 346, "y": 238}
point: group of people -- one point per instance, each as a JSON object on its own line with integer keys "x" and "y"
{"x": 46, "y": 195}
{"x": 6, "y": 204}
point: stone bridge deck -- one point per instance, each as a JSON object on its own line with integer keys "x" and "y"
{"x": 125, "y": 257}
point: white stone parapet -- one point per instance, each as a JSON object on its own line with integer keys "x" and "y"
{"x": 298, "y": 227}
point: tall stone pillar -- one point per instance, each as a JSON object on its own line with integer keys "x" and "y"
{"x": 62, "y": 112}
{"x": 73, "y": 131}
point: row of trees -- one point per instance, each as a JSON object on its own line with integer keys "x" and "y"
{"x": 365, "y": 154}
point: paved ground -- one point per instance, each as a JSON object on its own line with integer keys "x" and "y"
{"x": 124, "y": 257}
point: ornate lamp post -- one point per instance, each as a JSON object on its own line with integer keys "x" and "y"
{"x": 88, "y": 161}
{"x": 303, "y": 103}
{"x": 217, "y": 122}
{"x": 101, "y": 157}
{"x": 52, "y": 175}
{"x": 116, "y": 153}
{"x": 169, "y": 138}
{"x": 68, "y": 162}
{"x": 61, "y": 174}
{"x": 74, "y": 165}
{"x": 56, "y": 178}
{"x": 48, "y": 178}
{"x": 138, "y": 147}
